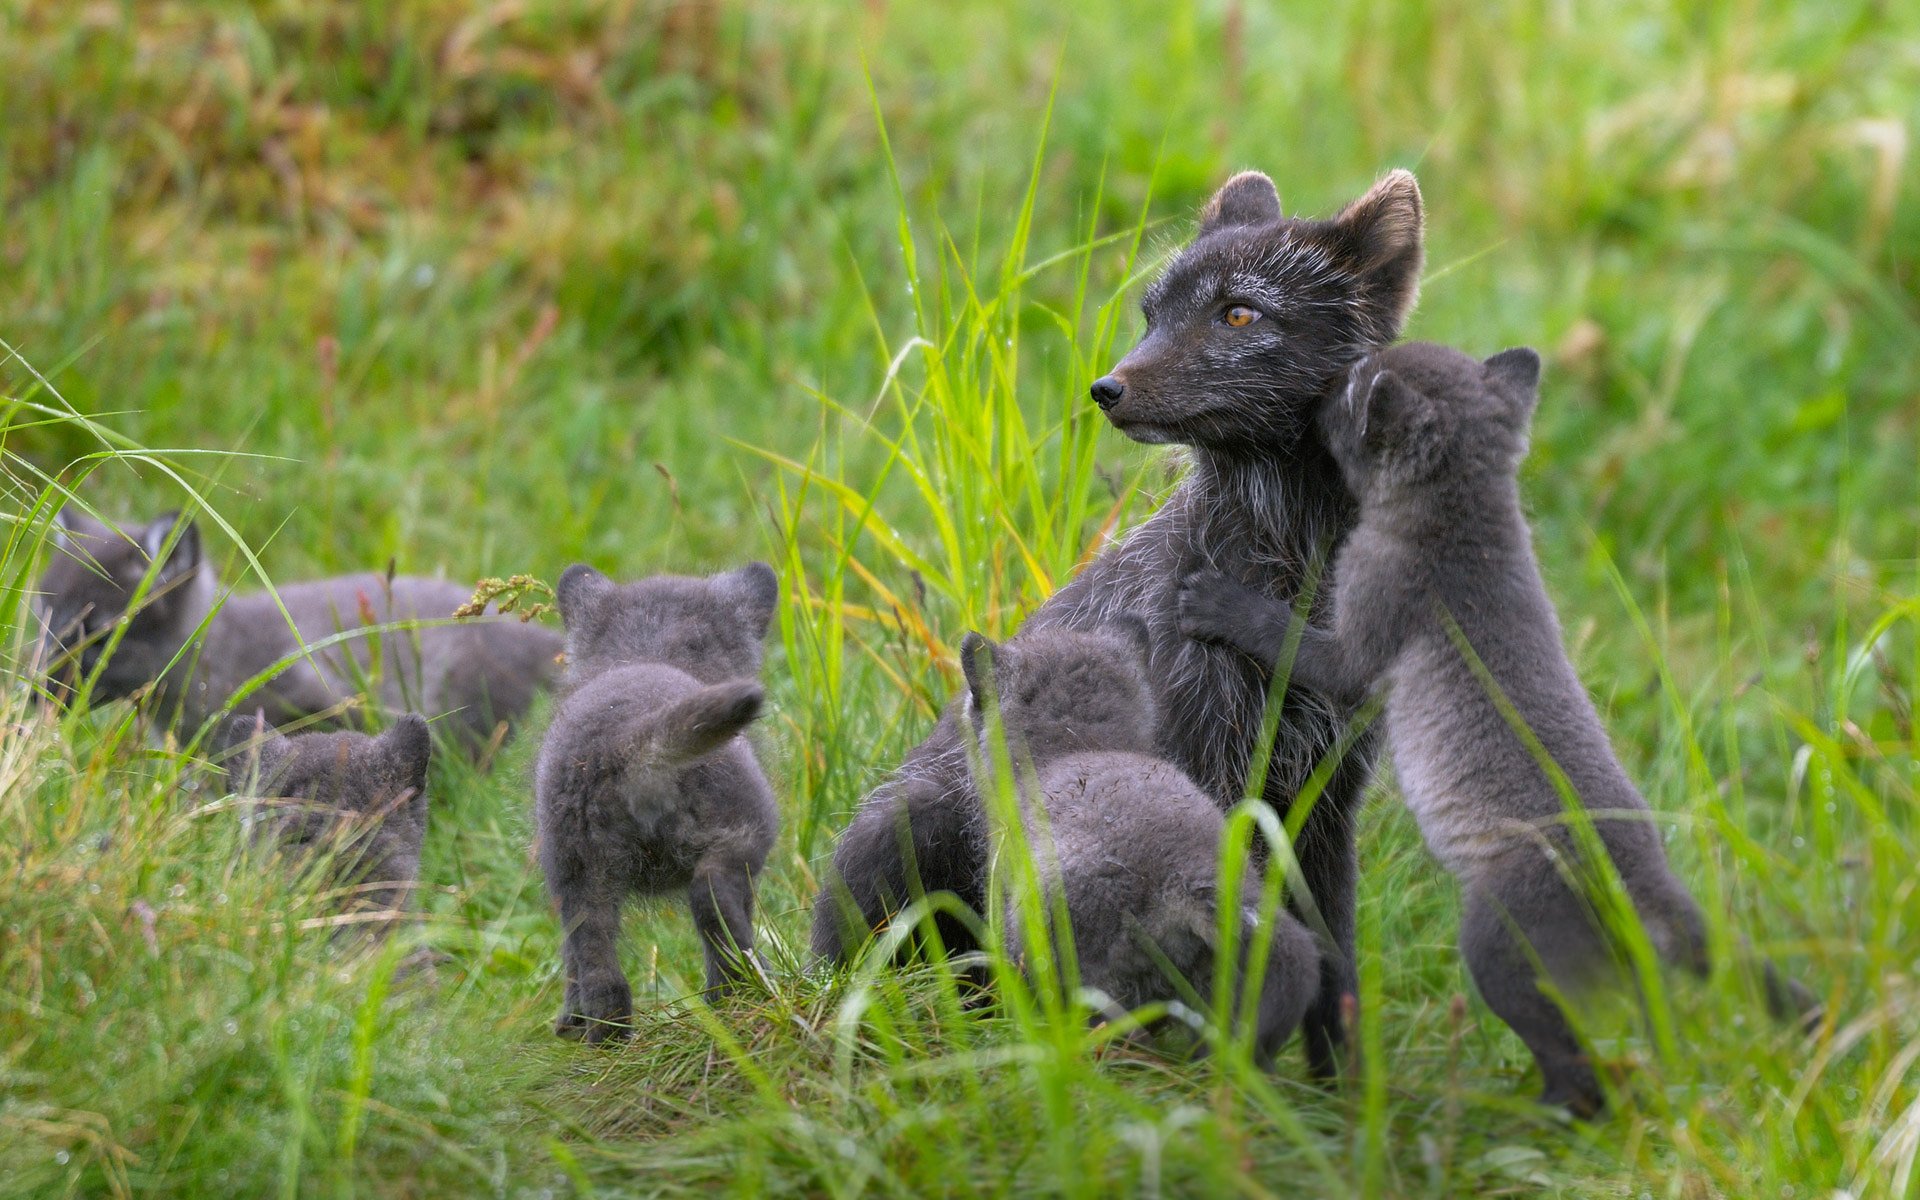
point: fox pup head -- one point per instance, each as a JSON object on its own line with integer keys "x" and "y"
{"x": 1420, "y": 412}
{"x": 1256, "y": 319}
{"x": 1064, "y": 691}
{"x": 710, "y": 628}
{"x": 363, "y": 796}
{"x": 91, "y": 586}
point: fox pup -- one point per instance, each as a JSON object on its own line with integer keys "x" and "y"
{"x": 364, "y": 797}
{"x": 478, "y": 673}
{"x": 1430, "y": 440}
{"x": 1131, "y": 842}
{"x": 644, "y": 783}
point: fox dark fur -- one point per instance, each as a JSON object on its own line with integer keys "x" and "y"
{"x": 476, "y": 673}
{"x": 1263, "y": 502}
{"x": 1125, "y": 836}
{"x": 362, "y": 797}
{"x": 1430, "y": 441}
{"x": 644, "y": 784}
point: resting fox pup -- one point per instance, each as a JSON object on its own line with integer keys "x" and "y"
{"x": 1131, "y": 842}
{"x": 1429, "y": 441}
{"x": 644, "y": 784}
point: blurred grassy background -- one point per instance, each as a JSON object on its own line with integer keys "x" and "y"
{"x": 492, "y": 288}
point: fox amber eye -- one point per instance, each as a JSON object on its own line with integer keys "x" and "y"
{"x": 1240, "y": 316}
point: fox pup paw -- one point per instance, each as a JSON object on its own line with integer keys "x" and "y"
{"x": 1215, "y": 607}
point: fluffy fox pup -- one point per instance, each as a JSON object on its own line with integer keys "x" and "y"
{"x": 1128, "y": 839}
{"x": 1430, "y": 440}
{"x": 1246, "y": 330}
{"x": 476, "y": 673}
{"x": 361, "y": 798}
{"x": 644, "y": 784}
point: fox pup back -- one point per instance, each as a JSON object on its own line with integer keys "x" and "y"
{"x": 644, "y": 784}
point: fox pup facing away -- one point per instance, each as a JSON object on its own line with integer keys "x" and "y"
{"x": 1246, "y": 329}
{"x": 360, "y": 797}
{"x": 477, "y": 673}
{"x": 1128, "y": 839}
{"x": 1430, "y": 440}
{"x": 644, "y": 784}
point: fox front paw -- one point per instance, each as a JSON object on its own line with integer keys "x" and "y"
{"x": 1215, "y": 607}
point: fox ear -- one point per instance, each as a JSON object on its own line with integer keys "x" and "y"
{"x": 1518, "y": 373}
{"x": 249, "y": 749}
{"x": 1133, "y": 628}
{"x": 579, "y": 589}
{"x": 1403, "y": 423}
{"x": 1382, "y": 240}
{"x": 977, "y": 659}
{"x": 757, "y": 589}
{"x": 409, "y": 746}
{"x": 65, "y": 524}
{"x": 1249, "y": 198}
{"x": 185, "y": 556}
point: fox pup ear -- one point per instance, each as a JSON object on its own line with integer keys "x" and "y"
{"x": 757, "y": 590}
{"x": 66, "y": 523}
{"x": 1134, "y": 630}
{"x": 409, "y": 746}
{"x": 1518, "y": 373}
{"x": 249, "y": 750}
{"x": 977, "y": 657}
{"x": 1403, "y": 424}
{"x": 1249, "y": 198}
{"x": 579, "y": 589}
{"x": 185, "y": 556}
{"x": 1381, "y": 239}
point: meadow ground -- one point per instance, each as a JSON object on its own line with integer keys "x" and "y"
{"x": 490, "y": 289}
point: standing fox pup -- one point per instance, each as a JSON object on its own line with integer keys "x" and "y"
{"x": 644, "y": 784}
{"x": 478, "y": 673}
{"x": 1130, "y": 840}
{"x": 363, "y": 798}
{"x": 1430, "y": 440}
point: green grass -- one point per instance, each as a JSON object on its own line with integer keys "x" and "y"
{"x": 646, "y": 284}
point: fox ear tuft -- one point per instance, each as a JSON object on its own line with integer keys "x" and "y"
{"x": 977, "y": 657}
{"x": 758, "y": 590}
{"x": 1249, "y": 198}
{"x": 1382, "y": 240}
{"x": 579, "y": 589}
{"x": 1519, "y": 370}
{"x": 185, "y": 555}
{"x": 410, "y": 746}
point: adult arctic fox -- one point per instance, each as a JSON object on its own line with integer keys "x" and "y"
{"x": 1437, "y": 599}
{"x": 1129, "y": 842}
{"x": 1247, "y": 329}
{"x": 476, "y": 673}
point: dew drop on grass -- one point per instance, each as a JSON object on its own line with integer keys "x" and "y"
{"x": 1798, "y": 842}
{"x": 93, "y": 889}
{"x": 62, "y": 1157}
{"x": 423, "y": 276}
{"x": 177, "y": 890}
{"x": 232, "y": 1027}
{"x": 1832, "y": 808}
{"x": 220, "y": 899}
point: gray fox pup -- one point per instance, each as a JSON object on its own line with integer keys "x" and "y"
{"x": 476, "y": 673}
{"x": 644, "y": 784}
{"x": 1246, "y": 330}
{"x": 1129, "y": 840}
{"x": 362, "y": 797}
{"x": 1430, "y": 440}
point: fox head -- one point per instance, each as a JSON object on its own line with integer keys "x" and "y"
{"x": 1262, "y": 313}
{"x": 710, "y": 628}
{"x": 93, "y": 584}
{"x": 1065, "y": 691}
{"x": 359, "y": 796}
{"x": 1418, "y": 412}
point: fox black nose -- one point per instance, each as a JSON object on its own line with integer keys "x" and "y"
{"x": 1107, "y": 392}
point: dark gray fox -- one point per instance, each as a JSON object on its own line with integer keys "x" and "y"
{"x": 362, "y": 798}
{"x": 1430, "y": 441}
{"x": 1247, "y": 329}
{"x": 1131, "y": 843}
{"x": 644, "y": 784}
{"x": 476, "y": 673}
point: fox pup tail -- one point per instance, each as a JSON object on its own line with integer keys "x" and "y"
{"x": 698, "y": 725}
